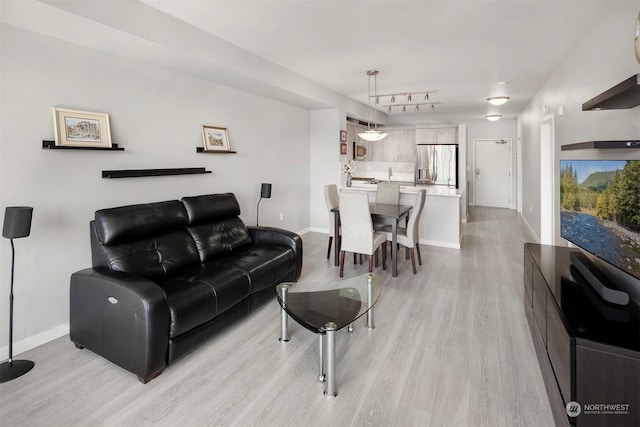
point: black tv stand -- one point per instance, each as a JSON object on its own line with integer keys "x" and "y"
{"x": 594, "y": 277}
{"x": 588, "y": 349}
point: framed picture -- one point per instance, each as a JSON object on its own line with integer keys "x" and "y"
{"x": 343, "y": 148}
{"x": 343, "y": 136}
{"x": 361, "y": 152}
{"x": 215, "y": 138}
{"x": 81, "y": 128}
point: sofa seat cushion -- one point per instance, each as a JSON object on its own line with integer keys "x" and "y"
{"x": 265, "y": 265}
{"x": 197, "y": 298}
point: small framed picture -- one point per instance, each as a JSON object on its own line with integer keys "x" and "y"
{"x": 215, "y": 138}
{"x": 343, "y": 148}
{"x": 81, "y": 128}
{"x": 343, "y": 136}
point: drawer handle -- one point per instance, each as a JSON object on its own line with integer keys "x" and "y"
{"x": 112, "y": 300}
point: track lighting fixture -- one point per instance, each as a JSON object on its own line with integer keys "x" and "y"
{"x": 416, "y": 105}
{"x": 409, "y": 97}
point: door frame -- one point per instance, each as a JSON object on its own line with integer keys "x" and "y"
{"x": 547, "y": 180}
{"x": 473, "y": 170}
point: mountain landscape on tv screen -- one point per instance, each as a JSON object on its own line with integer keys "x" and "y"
{"x": 600, "y": 209}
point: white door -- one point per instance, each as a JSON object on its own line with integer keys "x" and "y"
{"x": 493, "y": 172}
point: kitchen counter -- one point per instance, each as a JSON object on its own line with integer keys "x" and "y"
{"x": 439, "y": 190}
{"x": 441, "y": 223}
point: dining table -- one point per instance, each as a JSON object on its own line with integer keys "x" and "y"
{"x": 381, "y": 213}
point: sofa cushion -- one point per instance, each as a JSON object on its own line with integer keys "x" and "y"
{"x": 154, "y": 258}
{"x": 264, "y": 264}
{"x": 214, "y": 224}
{"x": 127, "y": 223}
{"x": 197, "y": 298}
{"x": 221, "y": 237}
{"x": 211, "y": 207}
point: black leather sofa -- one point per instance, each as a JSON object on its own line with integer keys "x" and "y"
{"x": 167, "y": 276}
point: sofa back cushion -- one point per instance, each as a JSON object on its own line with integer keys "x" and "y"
{"x": 150, "y": 240}
{"x": 215, "y": 225}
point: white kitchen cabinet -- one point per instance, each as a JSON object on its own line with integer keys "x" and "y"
{"x": 445, "y": 135}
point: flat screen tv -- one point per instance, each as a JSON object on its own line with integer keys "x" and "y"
{"x": 600, "y": 210}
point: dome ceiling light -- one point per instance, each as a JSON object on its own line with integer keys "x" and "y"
{"x": 498, "y": 100}
{"x": 373, "y": 134}
{"x": 493, "y": 117}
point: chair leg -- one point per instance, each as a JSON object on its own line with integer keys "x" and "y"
{"x": 419, "y": 256}
{"x": 329, "y": 247}
{"x": 355, "y": 258}
{"x": 413, "y": 260}
{"x": 370, "y": 263}
{"x": 341, "y": 263}
{"x": 384, "y": 256}
{"x": 360, "y": 259}
{"x": 377, "y": 263}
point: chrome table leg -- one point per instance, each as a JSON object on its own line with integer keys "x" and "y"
{"x": 331, "y": 390}
{"x": 284, "y": 317}
{"x": 322, "y": 377}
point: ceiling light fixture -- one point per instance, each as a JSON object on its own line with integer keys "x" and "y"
{"x": 493, "y": 117}
{"x": 417, "y": 105}
{"x": 373, "y": 135}
{"x": 498, "y": 100}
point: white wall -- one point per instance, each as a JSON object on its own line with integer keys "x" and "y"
{"x": 156, "y": 115}
{"x": 325, "y": 163}
{"x": 603, "y": 58}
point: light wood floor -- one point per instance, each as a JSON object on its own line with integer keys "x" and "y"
{"x": 451, "y": 347}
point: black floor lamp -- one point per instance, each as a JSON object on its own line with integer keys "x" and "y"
{"x": 265, "y": 193}
{"x": 17, "y": 223}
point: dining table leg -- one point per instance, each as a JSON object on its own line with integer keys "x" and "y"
{"x": 394, "y": 248}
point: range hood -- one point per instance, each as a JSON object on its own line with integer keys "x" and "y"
{"x": 621, "y": 96}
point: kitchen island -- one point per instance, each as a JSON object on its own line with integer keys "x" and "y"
{"x": 442, "y": 219}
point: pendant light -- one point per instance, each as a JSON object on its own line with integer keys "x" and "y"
{"x": 372, "y": 134}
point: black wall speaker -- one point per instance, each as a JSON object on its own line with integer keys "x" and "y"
{"x": 17, "y": 221}
{"x": 265, "y": 192}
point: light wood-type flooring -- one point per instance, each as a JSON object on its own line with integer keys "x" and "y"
{"x": 451, "y": 347}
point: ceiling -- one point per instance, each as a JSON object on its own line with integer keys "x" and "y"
{"x": 313, "y": 53}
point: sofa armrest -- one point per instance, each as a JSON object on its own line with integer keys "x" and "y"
{"x": 278, "y": 236}
{"x": 122, "y": 317}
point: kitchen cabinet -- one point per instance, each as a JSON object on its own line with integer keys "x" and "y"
{"x": 399, "y": 146}
{"x": 445, "y": 135}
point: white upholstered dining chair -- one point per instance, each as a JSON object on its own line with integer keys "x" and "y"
{"x": 332, "y": 201}
{"x": 410, "y": 237}
{"x": 388, "y": 192}
{"x": 358, "y": 236}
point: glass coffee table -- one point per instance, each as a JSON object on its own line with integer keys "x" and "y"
{"x": 324, "y": 309}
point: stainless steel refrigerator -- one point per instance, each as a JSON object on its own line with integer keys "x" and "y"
{"x": 437, "y": 164}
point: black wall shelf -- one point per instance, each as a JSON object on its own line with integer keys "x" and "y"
{"x": 621, "y": 96}
{"x": 201, "y": 150}
{"x": 601, "y": 144}
{"x": 51, "y": 145}
{"x": 137, "y": 173}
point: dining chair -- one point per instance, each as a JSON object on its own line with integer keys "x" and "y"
{"x": 410, "y": 237}
{"x": 357, "y": 230}
{"x": 332, "y": 201}
{"x": 388, "y": 192}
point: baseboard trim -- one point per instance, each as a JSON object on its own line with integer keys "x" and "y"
{"x": 36, "y": 340}
{"x": 448, "y": 245}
